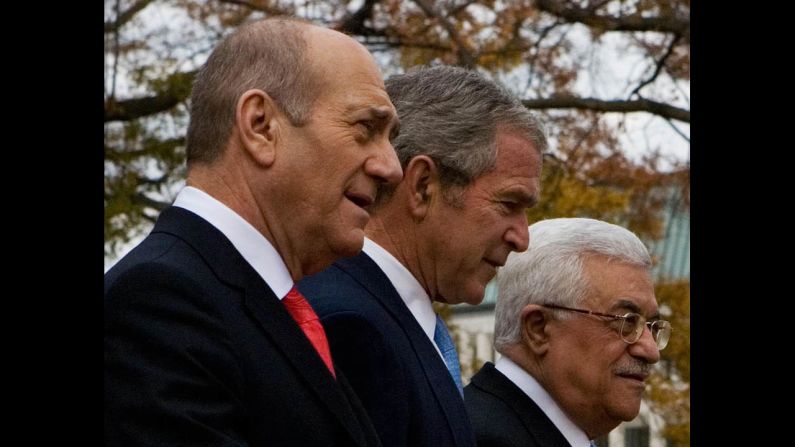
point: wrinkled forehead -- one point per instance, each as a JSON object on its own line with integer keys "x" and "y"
{"x": 619, "y": 287}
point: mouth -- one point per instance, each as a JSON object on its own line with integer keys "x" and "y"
{"x": 362, "y": 200}
{"x": 494, "y": 263}
{"x": 639, "y": 377}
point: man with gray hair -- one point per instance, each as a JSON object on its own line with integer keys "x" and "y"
{"x": 207, "y": 341}
{"x": 578, "y": 328}
{"x": 471, "y": 155}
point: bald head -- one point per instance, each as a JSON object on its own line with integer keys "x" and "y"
{"x": 282, "y": 57}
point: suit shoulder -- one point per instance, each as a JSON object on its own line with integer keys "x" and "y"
{"x": 335, "y": 291}
{"x": 165, "y": 272}
{"x": 157, "y": 251}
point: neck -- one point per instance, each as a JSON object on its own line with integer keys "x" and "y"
{"x": 399, "y": 237}
{"x": 229, "y": 187}
{"x": 593, "y": 421}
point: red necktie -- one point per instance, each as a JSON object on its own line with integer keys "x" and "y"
{"x": 307, "y": 319}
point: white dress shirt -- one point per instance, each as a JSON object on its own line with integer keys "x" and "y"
{"x": 407, "y": 286}
{"x": 251, "y": 244}
{"x": 527, "y": 383}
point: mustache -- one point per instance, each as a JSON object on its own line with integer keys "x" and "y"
{"x": 634, "y": 368}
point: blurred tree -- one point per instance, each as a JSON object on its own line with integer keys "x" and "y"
{"x": 609, "y": 77}
{"x": 587, "y": 66}
{"x": 669, "y": 389}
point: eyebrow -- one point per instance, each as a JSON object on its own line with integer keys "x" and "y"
{"x": 527, "y": 201}
{"x": 632, "y": 307}
{"x": 385, "y": 117}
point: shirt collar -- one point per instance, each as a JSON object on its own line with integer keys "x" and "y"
{"x": 527, "y": 383}
{"x": 250, "y": 243}
{"x": 413, "y": 294}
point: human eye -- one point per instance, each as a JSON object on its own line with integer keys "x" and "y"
{"x": 366, "y": 126}
{"x": 511, "y": 206}
{"x": 633, "y": 323}
{"x": 656, "y": 326}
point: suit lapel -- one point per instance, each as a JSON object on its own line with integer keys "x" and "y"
{"x": 535, "y": 421}
{"x": 265, "y": 308}
{"x": 269, "y": 312}
{"x": 367, "y": 273}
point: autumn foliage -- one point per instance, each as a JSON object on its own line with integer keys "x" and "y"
{"x": 592, "y": 70}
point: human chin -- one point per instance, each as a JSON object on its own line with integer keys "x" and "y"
{"x": 626, "y": 401}
{"x": 348, "y": 242}
{"x": 625, "y": 409}
{"x": 473, "y": 292}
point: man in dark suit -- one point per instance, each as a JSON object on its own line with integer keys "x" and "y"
{"x": 578, "y": 328}
{"x": 206, "y": 341}
{"x": 471, "y": 155}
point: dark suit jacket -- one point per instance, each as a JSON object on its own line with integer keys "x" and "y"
{"x": 200, "y": 352}
{"x": 390, "y": 362}
{"x": 504, "y": 416}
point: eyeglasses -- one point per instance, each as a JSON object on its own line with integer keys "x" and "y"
{"x": 631, "y": 325}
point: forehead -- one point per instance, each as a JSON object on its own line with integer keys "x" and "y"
{"x": 348, "y": 78}
{"x": 616, "y": 287}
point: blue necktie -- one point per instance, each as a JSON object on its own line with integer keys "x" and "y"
{"x": 442, "y": 339}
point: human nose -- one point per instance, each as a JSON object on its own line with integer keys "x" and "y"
{"x": 384, "y": 165}
{"x": 516, "y": 235}
{"x": 645, "y": 347}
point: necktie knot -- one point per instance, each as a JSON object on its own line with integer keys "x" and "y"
{"x": 306, "y": 318}
{"x": 442, "y": 338}
{"x": 299, "y": 307}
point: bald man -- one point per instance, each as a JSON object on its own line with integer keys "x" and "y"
{"x": 207, "y": 343}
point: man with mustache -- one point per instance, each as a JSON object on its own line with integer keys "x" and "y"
{"x": 578, "y": 328}
{"x": 471, "y": 155}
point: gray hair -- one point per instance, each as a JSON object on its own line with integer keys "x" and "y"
{"x": 551, "y": 270}
{"x": 452, "y": 114}
{"x": 269, "y": 55}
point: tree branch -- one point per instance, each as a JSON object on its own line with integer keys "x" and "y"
{"x": 143, "y": 199}
{"x": 354, "y": 23}
{"x": 676, "y": 129}
{"x": 127, "y": 15}
{"x": 666, "y": 24}
{"x": 657, "y": 69}
{"x": 273, "y": 11}
{"x": 465, "y": 57}
{"x": 130, "y": 109}
{"x": 176, "y": 89}
{"x": 599, "y": 105}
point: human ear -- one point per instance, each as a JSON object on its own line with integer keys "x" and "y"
{"x": 535, "y": 334}
{"x": 257, "y": 123}
{"x": 421, "y": 177}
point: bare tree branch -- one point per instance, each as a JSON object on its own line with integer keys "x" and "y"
{"x": 354, "y": 23}
{"x": 676, "y": 129}
{"x": 127, "y": 15}
{"x": 177, "y": 90}
{"x": 465, "y": 57}
{"x": 143, "y": 199}
{"x": 666, "y": 24}
{"x": 600, "y": 105}
{"x": 273, "y": 11}
{"x": 660, "y": 64}
{"x": 535, "y": 50}
{"x": 130, "y": 109}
